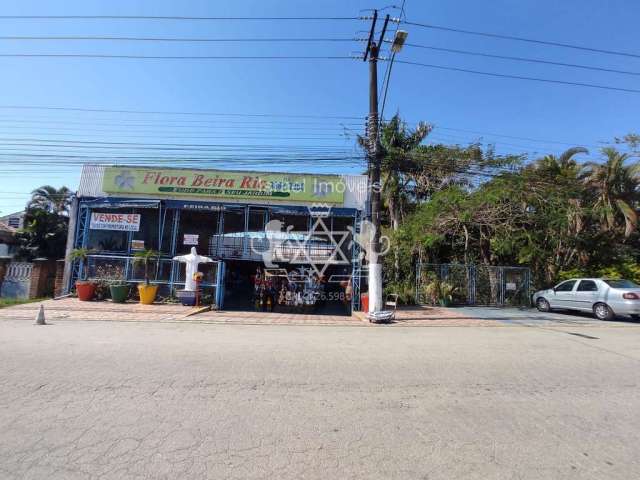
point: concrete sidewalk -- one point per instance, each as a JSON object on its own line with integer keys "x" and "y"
{"x": 70, "y": 309}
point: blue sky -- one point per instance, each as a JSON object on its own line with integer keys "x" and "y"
{"x": 457, "y": 103}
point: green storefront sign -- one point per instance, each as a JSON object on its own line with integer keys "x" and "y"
{"x": 255, "y": 186}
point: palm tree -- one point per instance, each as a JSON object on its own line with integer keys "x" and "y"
{"x": 51, "y": 199}
{"x": 398, "y": 145}
{"x": 564, "y": 165}
{"x": 616, "y": 187}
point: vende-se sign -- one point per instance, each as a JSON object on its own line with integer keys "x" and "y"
{"x": 127, "y": 222}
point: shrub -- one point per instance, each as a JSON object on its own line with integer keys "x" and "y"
{"x": 406, "y": 291}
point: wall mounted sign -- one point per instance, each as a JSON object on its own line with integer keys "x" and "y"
{"x": 137, "y": 244}
{"x": 190, "y": 239}
{"x": 255, "y": 186}
{"x": 126, "y": 222}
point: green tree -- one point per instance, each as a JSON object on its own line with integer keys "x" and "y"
{"x": 615, "y": 188}
{"x": 564, "y": 165}
{"x": 398, "y": 145}
{"x": 44, "y": 235}
{"x": 51, "y": 199}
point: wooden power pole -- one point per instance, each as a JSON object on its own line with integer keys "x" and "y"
{"x": 375, "y": 267}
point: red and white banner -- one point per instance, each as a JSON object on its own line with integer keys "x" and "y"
{"x": 127, "y": 222}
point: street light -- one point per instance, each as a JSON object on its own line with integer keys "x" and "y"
{"x": 398, "y": 41}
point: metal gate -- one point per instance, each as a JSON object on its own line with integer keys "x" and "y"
{"x": 17, "y": 280}
{"x": 476, "y": 284}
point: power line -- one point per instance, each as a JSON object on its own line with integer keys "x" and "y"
{"x": 521, "y": 59}
{"x": 178, "y": 122}
{"x": 387, "y": 74}
{"x": 159, "y": 112}
{"x": 340, "y": 129}
{"x": 192, "y": 128}
{"x": 245, "y": 134}
{"x": 177, "y": 57}
{"x": 536, "y": 140}
{"x": 147, "y": 144}
{"x": 173, "y": 39}
{"x": 520, "y": 77}
{"x": 437, "y": 127}
{"x": 176, "y": 18}
{"x": 522, "y": 39}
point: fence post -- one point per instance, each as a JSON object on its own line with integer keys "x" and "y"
{"x": 471, "y": 285}
{"x": 418, "y": 268}
{"x": 3, "y": 268}
{"x": 58, "y": 288}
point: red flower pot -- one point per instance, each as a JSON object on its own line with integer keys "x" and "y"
{"x": 85, "y": 291}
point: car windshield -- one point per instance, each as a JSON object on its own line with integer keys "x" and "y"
{"x": 621, "y": 284}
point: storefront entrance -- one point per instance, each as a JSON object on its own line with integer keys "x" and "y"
{"x": 250, "y": 286}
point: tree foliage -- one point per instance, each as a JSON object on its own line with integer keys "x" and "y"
{"x": 46, "y": 223}
{"x": 51, "y": 199}
{"x": 554, "y": 214}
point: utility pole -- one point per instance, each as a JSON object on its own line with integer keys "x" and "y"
{"x": 375, "y": 153}
{"x": 375, "y": 267}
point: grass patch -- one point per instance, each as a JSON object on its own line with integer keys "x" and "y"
{"x": 10, "y": 302}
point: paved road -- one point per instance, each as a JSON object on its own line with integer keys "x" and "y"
{"x": 173, "y": 401}
{"x": 531, "y": 316}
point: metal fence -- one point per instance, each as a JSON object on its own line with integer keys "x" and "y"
{"x": 164, "y": 271}
{"x": 477, "y": 284}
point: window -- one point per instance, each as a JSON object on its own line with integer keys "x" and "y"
{"x": 149, "y": 228}
{"x": 257, "y": 219}
{"x": 565, "y": 286}
{"x": 300, "y": 223}
{"x": 199, "y": 227}
{"x": 587, "y": 286}
{"x": 233, "y": 220}
{"x": 621, "y": 284}
{"x": 108, "y": 241}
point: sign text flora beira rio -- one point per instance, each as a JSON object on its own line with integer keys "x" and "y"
{"x": 225, "y": 184}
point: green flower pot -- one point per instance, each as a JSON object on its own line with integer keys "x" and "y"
{"x": 119, "y": 293}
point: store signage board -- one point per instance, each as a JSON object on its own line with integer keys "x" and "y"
{"x": 254, "y": 186}
{"x": 190, "y": 239}
{"x": 125, "y": 222}
{"x": 137, "y": 244}
{"x": 511, "y": 286}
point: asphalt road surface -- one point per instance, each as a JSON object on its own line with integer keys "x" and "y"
{"x": 85, "y": 400}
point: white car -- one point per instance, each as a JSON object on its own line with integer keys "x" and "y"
{"x": 605, "y": 298}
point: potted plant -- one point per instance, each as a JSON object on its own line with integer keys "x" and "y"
{"x": 85, "y": 289}
{"x": 113, "y": 277}
{"x": 119, "y": 291}
{"x": 147, "y": 291}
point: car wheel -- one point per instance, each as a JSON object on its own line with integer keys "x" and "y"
{"x": 603, "y": 312}
{"x": 542, "y": 305}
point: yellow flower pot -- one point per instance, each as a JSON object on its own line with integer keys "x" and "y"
{"x": 147, "y": 293}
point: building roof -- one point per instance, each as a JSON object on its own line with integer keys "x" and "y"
{"x": 7, "y": 233}
{"x": 4, "y": 218}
